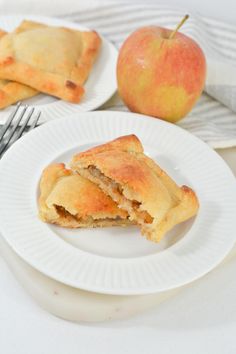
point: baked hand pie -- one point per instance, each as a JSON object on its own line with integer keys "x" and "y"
{"x": 138, "y": 185}
{"x": 12, "y": 92}
{"x": 69, "y": 200}
{"x": 53, "y": 60}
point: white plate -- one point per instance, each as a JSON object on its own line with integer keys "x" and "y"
{"x": 118, "y": 260}
{"x": 100, "y": 86}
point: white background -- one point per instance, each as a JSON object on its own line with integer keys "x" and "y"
{"x": 202, "y": 319}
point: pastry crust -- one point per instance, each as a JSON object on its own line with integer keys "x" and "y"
{"x": 138, "y": 185}
{"x": 129, "y": 143}
{"x": 12, "y": 92}
{"x": 69, "y": 200}
{"x": 53, "y": 60}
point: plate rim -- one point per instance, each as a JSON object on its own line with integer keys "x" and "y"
{"x": 109, "y": 113}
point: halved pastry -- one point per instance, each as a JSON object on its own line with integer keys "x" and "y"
{"x": 138, "y": 185}
{"x": 53, "y": 60}
{"x": 69, "y": 200}
{"x": 11, "y": 92}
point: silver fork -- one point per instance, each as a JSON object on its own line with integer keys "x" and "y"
{"x": 11, "y": 131}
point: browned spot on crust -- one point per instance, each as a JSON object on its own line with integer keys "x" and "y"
{"x": 71, "y": 84}
{"x": 187, "y": 189}
{"x": 189, "y": 193}
{"x": 7, "y": 61}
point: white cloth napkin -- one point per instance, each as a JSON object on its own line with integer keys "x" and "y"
{"x": 214, "y": 117}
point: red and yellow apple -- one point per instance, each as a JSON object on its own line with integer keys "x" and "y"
{"x": 160, "y": 72}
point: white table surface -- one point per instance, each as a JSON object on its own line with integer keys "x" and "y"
{"x": 201, "y": 319}
{"x": 198, "y": 319}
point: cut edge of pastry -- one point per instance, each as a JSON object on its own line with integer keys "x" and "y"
{"x": 181, "y": 206}
{"x": 57, "y": 213}
{"x": 61, "y": 217}
{"x": 125, "y": 199}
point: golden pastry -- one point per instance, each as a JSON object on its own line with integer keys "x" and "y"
{"x": 53, "y": 60}
{"x": 138, "y": 185}
{"x": 11, "y": 92}
{"x": 69, "y": 200}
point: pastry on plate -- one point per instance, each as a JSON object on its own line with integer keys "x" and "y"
{"x": 138, "y": 185}
{"x": 69, "y": 200}
{"x": 52, "y": 60}
{"x": 10, "y": 91}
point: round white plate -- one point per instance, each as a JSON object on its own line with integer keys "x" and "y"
{"x": 99, "y": 87}
{"x": 118, "y": 260}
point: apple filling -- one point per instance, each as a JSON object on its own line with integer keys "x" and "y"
{"x": 89, "y": 220}
{"x": 116, "y": 191}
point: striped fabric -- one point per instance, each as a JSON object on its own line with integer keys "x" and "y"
{"x": 213, "y": 118}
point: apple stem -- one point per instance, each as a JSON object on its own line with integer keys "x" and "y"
{"x": 178, "y": 26}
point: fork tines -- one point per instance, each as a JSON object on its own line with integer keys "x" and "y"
{"x": 12, "y": 130}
